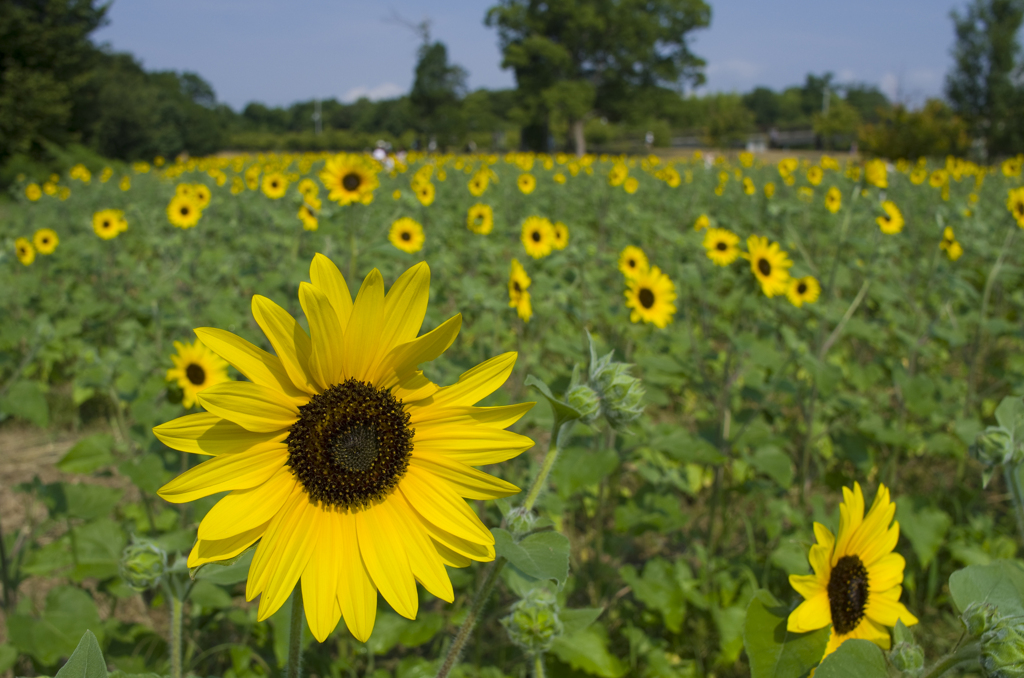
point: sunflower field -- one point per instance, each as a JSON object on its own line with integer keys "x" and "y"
{"x": 486, "y": 416}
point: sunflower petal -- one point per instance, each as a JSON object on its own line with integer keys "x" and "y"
{"x": 477, "y": 383}
{"x": 473, "y": 445}
{"x": 362, "y": 336}
{"x": 289, "y": 340}
{"x": 211, "y": 550}
{"x": 226, "y": 472}
{"x": 327, "y": 338}
{"x": 438, "y": 503}
{"x": 208, "y": 434}
{"x": 465, "y": 480}
{"x": 887, "y": 610}
{"x": 328, "y": 279}
{"x": 293, "y": 549}
{"x": 242, "y": 510}
{"x": 356, "y": 593}
{"x": 386, "y": 559}
{"x": 464, "y": 548}
{"x": 253, "y": 407}
{"x": 257, "y": 365}
{"x": 426, "y": 565}
{"x": 886, "y": 572}
{"x": 320, "y": 578}
{"x": 403, "y": 360}
{"x": 405, "y": 306}
{"x": 450, "y": 557}
{"x": 491, "y": 417}
{"x": 810, "y": 615}
{"x": 807, "y": 585}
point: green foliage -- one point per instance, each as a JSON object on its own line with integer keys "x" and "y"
{"x": 855, "y": 658}
{"x": 932, "y": 131}
{"x": 774, "y": 651}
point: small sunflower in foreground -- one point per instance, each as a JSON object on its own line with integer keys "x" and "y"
{"x": 721, "y": 246}
{"x": 857, "y": 578}
{"x": 24, "y": 250}
{"x": 350, "y": 178}
{"x": 538, "y": 236}
{"x": 804, "y": 290}
{"x": 518, "y": 296}
{"x": 196, "y": 368}
{"x": 407, "y": 235}
{"x": 833, "y": 200}
{"x": 347, "y": 465}
{"x": 770, "y": 264}
{"x": 183, "y": 212}
{"x": 274, "y": 185}
{"x": 45, "y": 240}
{"x": 650, "y": 296}
{"x": 632, "y": 261}
{"x": 526, "y": 183}
{"x": 561, "y": 235}
{"x": 892, "y": 223}
{"x": 480, "y": 219}
{"x": 109, "y": 224}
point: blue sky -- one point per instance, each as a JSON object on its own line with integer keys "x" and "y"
{"x": 279, "y": 53}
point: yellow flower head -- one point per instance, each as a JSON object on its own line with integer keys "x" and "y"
{"x": 876, "y": 173}
{"x": 478, "y": 184}
{"x": 183, "y": 212}
{"x": 857, "y": 578}
{"x": 45, "y": 240}
{"x": 803, "y": 290}
{"x": 559, "y": 178}
{"x": 342, "y": 460}
{"x": 201, "y": 194}
{"x": 407, "y": 235}
{"x": 526, "y": 183}
{"x": 196, "y": 368}
{"x": 769, "y": 190}
{"x": 618, "y": 174}
{"x": 787, "y": 166}
{"x": 125, "y": 184}
{"x": 938, "y": 178}
{"x": 748, "y": 186}
{"x": 109, "y": 223}
{"x": 308, "y": 217}
{"x": 649, "y": 297}
{"x": 33, "y": 192}
{"x": 425, "y": 193}
{"x": 538, "y": 236}
{"x": 701, "y": 223}
{"x": 24, "y": 250}
{"x": 561, "y": 235}
{"x": 632, "y": 261}
{"x": 274, "y": 185}
{"x": 518, "y": 296}
{"x": 630, "y": 185}
{"x": 918, "y": 175}
{"x": 1015, "y": 204}
{"x": 769, "y": 264}
{"x": 721, "y": 246}
{"x": 350, "y": 178}
{"x": 480, "y": 219}
{"x": 815, "y": 175}
{"x": 833, "y": 200}
{"x": 892, "y": 223}
{"x": 308, "y": 188}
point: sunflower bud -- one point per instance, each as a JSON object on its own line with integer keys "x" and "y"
{"x": 585, "y": 401}
{"x": 1002, "y": 649}
{"x": 621, "y": 394}
{"x": 533, "y": 623}
{"x": 520, "y": 521}
{"x": 143, "y": 563}
{"x": 992, "y": 447}
{"x": 979, "y": 618}
{"x": 907, "y": 657}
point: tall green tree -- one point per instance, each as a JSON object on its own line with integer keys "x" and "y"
{"x": 983, "y": 84}
{"x": 436, "y": 92}
{"x": 46, "y": 60}
{"x": 576, "y": 58}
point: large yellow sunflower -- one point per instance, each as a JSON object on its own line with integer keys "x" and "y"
{"x": 350, "y": 178}
{"x": 892, "y": 223}
{"x": 857, "y": 578}
{"x": 407, "y": 235}
{"x": 183, "y": 212}
{"x": 538, "y": 236}
{"x": 632, "y": 261}
{"x": 518, "y": 296}
{"x": 650, "y": 296}
{"x": 45, "y": 240}
{"x": 348, "y": 466}
{"x": 196, "y": 368}
{"x": 480, "y": 219}
{"x": 770, "y": 264}
{"x": 720, "y": 246}
{"x": 109, "y": 223}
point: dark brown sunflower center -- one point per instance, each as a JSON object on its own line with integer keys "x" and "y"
{"x": 406, "y": 235}
{"x": 631, "y": 263}
{"x": 801, "y": 288}
{"x": 847, "y": 594}
{"x": 646, "y": 297}
{"x": 46, "y": 241}
{"x": 516, "y": 286}
{"x": 184, "y": 211}
{"x": 764, "y": 266}
{"x": 535, "y": 236}
{"x": 195, "y": 374}
{"x": 1020, "y": 208}
{"x": 351, "y": 181}
{"x": 351, "y": 445}
{"x": 721, "y": 246}
{"x": 106, "y": 223}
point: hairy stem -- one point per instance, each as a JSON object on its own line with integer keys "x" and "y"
{"x": 176, "y": 619}
{"x": 295, "y": 628}
{"x": 466, "y": 630}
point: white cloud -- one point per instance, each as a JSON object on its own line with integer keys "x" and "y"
{"x": 387, "y": 90}
{"x": 740, "y": 69}
{"x": 890, "y": 86}
{"x": 846, "y": 75}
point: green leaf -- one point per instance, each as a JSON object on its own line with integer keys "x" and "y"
{"x": 855, "y": 658}
{"x": 686, "y": 448}
{"x": 661, "y": 589}
{"x": 773, "y": 651}
{"x": 26, "y": 400}
{"x": 91, "y": 501}
{"x": 926, "y": 529}
{"x": 86, "y": 661}
{"x": 544, "y": 555}
{"x": 147, "y": 472}
{"x": 774, "y": 463}
{"x": 564, "y": 412}
{"x": 98, "y": 547}
{"x": 1000, "y": 583}
{"x": 225, "y": 572}
{"x": 209, "y": 595}
{"x": 1010, "y": 415}
{"x": 8, "y": 655}
{"x": 587, "y": 650}
{"x": 579, "y": 618}
{"x": 68, "y": 614}
{"x": 88, "y": 454}
{"x": 577, "y": 468}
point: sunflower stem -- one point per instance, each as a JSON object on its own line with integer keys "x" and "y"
{"x": 466, "y": 630}
{"x": 177, "y": 606}
{"x": 1012, "y": 473}
{"x": 294, "y": 669}
{"x": 545, "y": 469}
{"x": 538, "y": 665}
{"x": 965, "y": 657}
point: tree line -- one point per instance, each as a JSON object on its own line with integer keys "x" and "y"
{"x": 589, "y": 74}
